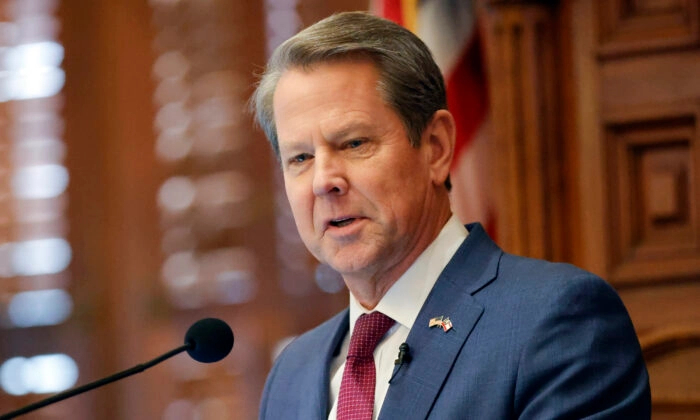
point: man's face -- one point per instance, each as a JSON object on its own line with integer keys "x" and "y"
{"x": 361, "y": 195}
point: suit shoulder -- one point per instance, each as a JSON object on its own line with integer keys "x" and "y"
{"x": 533, "y": 285}
{"x": 542, "y": 273}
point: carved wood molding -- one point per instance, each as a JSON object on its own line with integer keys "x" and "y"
{"x": 660, "y": 341}
{"x": 678, "y": 393}
{"x": 637, "y": 26}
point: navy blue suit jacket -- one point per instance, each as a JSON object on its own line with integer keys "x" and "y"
{"x": 530, "y": 340}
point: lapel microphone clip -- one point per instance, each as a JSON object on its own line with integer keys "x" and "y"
{"x": 404, "y": 355}
{"x": 403, "y": 358}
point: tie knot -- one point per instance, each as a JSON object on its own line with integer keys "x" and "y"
{"x": 369, "y": 329}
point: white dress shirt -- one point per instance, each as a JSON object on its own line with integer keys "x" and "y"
{"x": 402, "y": 302}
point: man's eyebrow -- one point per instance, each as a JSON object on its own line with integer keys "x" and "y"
{"x": 292, "y": 146}
{"x": 349, "y": 129}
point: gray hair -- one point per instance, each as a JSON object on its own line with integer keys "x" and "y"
{"x": 409, "y": 80}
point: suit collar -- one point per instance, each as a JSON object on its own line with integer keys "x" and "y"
{"x": 478, "y": 258}
{"x": 416, "y": 385}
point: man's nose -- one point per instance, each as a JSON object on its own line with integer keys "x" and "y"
{"x": 329, "y": 175}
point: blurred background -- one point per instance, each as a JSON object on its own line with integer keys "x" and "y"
{"x": 137, "y": 197}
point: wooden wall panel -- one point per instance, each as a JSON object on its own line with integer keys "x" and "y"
{"x": 649, "y": 81}
{"x": 653, "y": 196}
{"x": 636, "y": 133}
{"x": 636, "y": 26}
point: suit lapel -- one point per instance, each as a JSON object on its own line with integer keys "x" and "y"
{"x": 331, "y": 338}
{"x": 416, "y": 385}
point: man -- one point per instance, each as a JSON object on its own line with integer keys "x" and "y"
{"x": 355, "y": 109}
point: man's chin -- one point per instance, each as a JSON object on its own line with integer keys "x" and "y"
{"x": 348, "y": 266}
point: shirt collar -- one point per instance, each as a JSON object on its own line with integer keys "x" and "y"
{"x": 404, "y": 299}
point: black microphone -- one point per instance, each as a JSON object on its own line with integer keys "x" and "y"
{"x": 207, "y": 340}
{"x": 404, "y": 355}
{"x": 403, "y": 358}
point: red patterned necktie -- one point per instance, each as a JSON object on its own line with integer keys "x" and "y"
{"x": 356, "y": 397}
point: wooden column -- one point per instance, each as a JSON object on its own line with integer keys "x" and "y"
{"x": 523, "y": 82}
{"x": 109, "y": 136}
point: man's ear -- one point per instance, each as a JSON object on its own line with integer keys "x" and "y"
{"x": 439, "y": 136}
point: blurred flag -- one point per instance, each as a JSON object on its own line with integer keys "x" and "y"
{"x": 449, "y": 28}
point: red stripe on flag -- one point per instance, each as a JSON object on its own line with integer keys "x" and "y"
{"x": 467, "y": 100}
{"x": 391, "y": 9}
{"x": 467, "y": 94}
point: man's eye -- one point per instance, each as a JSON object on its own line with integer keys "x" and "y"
{"x": 300, "y": 158}
{"x": 354, "y": 144}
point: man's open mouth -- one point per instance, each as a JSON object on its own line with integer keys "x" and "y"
{"x": 342, "y": 222}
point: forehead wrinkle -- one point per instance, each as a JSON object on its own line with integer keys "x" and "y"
{"x": 334, "y": 129}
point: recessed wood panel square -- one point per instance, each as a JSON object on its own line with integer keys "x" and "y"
{"x": 653, "y": 196}
{"x": 660, "y": 194}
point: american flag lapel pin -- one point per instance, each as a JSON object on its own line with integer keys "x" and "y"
{"x": 434, "y": 322}
{"x": 441, "y": 321}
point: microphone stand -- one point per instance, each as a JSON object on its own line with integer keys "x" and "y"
{"x": 95, "y": 384}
